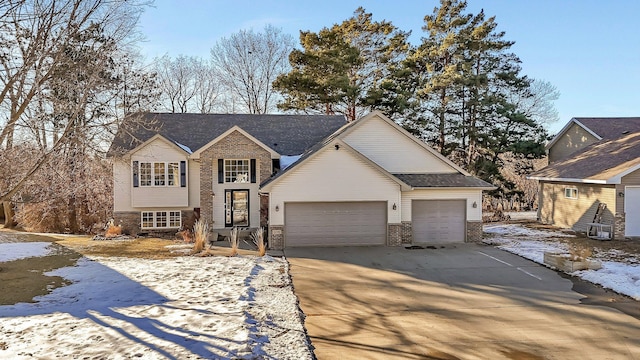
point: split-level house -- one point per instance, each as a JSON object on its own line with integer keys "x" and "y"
{"x": 594, "y": 163}
{"x": 316, "y": 180}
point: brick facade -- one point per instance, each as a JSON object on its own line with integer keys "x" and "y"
{"x": 233, "y": 146}
{"x": 474, "y": 231}
{"x": 276, "y": 237}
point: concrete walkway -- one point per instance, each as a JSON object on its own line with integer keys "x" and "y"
{"x": 462, "y": 302}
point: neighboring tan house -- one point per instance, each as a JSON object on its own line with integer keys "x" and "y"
{"x": 593, "y": 161}
{"x": 365, "y": 183}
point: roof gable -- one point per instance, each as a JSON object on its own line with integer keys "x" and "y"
{"x": 603, "y": 162}
{"x": 284, "y": 134}
{"x": 601, "y": 127}
{"x": 153, "y": 139}
{"x": 334, "y": 145}
{"x": 395, "y": 133}
{"x": 196, "y": 154}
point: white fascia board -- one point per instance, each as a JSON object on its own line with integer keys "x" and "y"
{"x": 149, "y": 141}
{"x": 571, "y": 180}
{"x": 618, "y": 178}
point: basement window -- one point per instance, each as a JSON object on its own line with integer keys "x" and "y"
{"x": 571, "y": 192}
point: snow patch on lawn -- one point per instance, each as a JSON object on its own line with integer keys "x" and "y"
{"x": 531, "y": 244}
{"x": 182, "y": 308}
{"x": 16, "y": 251}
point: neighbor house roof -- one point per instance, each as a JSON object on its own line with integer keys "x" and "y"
{"x": 443, "y": 180}
{"x": 602, "y": 128}
{"x": 285, "y": 134}
{"x": 603, "y": 162}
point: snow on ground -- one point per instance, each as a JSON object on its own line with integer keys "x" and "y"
{"x": 15, "y": 251}
{"x": 239, "y": 307}
{"x": 531, "y": 244}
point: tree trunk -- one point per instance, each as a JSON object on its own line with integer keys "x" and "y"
{"x": 8, "y": 215}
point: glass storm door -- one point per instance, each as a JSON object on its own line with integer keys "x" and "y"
{"x": 236, "y": 208}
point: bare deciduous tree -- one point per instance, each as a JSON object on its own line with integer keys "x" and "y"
{"x": 247, "y": 63}
{"x": 187, "y": 84}
{"x": 57, "y": 66}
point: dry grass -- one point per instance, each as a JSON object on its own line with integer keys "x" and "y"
{"x": 113, "y": 230}
{"x": 148, "y": 248}
{"x": 200, "y": 232}
{"x": 186, "y": 235}
{"x": 233, "y": 239}
{"x": 258, "y": 240}
{"x": 580, "y": 253}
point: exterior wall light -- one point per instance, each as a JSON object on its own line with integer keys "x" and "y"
{"x": 337, "y": 147}
{"x": 474, "y": 205}
{"x": 394, "y": 206}
{"x": 277, "y": 208}
{"x": 621, "y": 194}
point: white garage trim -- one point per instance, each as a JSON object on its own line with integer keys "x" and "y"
{"x": 439, "y": 221}
{"x": 632, "y": 210}
{"x": 335, "y": 223}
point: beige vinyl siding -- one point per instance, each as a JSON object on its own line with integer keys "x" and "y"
{"x": 393, "y": 150}
{"x": 122, "y": 186}
{"x": 470, "y": 195}
{"x": 333, "y": 175}
{"x": 629, "y": 179}
{"x": 575, "y": 213}
{"x": 574, "y": 139}
{"x": 193, "y": 183}
{"x": 159, "y": 150}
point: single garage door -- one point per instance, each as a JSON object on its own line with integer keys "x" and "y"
{"x": 335, "y": 223}
{"x": 438, "y": 221}
{"x": 632, "y": 211}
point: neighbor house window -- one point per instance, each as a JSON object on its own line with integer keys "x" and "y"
{"x": 236, "y": 171}
{"x": 161, "y": 219}
{"x": 160, "y": 174}
{"x": 571, "y": 192}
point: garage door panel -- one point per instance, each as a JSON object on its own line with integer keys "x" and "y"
{"x": 335, "y": 223}
{"x": 632, "y": 211}
{"x": 438, "y": 221}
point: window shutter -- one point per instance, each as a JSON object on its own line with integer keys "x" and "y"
{"x": 183, "y": 173}
{"x": 135, "y": 174}
{"x": 252, "y": 170}
{"x": 220, "y": 171}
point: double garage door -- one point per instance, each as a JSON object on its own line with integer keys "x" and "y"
{"x": 335, "y": 223}
{"x": 438, "y": 221}
{"x": 365, "y": 223}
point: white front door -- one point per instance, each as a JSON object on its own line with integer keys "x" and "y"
{"x": 632, "y": 211}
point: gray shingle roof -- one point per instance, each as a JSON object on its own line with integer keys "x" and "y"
{"x": 611, "y": 128}
{"x": 599, "y": 161}
{"x": 285, "y": 134}
{"x": 442, "y": 180}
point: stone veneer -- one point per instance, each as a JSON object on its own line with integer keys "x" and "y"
{"x": 619, "y": 226}
{"x": 394, "y": 234}
{"x": 276, "y": 237}
{"x": 407, "y": 232}
{"x": 233, "y": 146}
{"x": 474, "y": 231}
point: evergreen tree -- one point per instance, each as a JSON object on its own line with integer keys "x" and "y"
{"x": 343, "y": 69}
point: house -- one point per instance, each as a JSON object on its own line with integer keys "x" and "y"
{"x": 593, "y": 163}
{"x": 318, "y": 180}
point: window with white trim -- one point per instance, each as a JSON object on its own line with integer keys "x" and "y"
{"x": 161, "y": 219}
{"x": 571, "y": 192}
{"x": 145, "y": 174}
{"x": 236, "y": 171}
{"x": 159, "y": 174}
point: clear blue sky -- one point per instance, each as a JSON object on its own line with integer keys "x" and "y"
{"x": 588, "y": 49}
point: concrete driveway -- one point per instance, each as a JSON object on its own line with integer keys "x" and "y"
{"x": 458, "y": 302}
